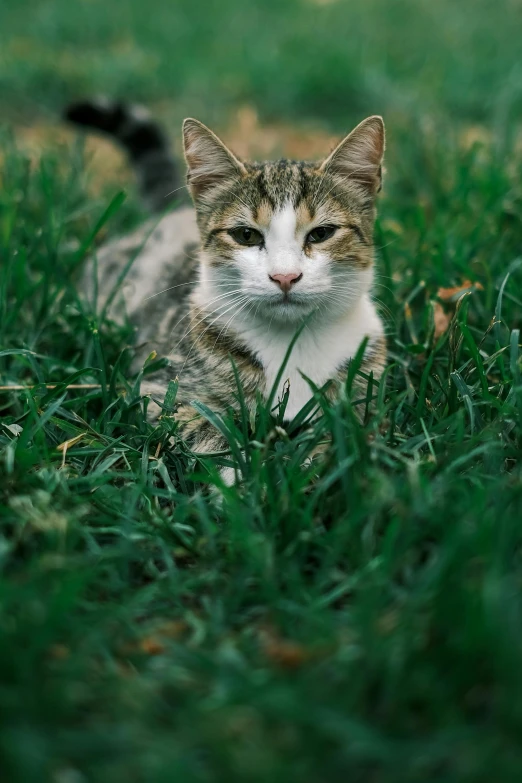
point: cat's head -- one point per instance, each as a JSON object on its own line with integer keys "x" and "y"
{"x": 286, "y": 238}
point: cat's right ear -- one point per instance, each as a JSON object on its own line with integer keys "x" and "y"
{"x": 209, "y": 161}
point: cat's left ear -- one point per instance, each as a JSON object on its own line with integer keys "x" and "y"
{"x": 359, "y": 155}
{"x": 209, "y": 161}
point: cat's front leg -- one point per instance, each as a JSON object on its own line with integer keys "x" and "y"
{"x": 205, "y": 440}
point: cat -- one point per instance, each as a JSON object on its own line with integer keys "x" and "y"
{"x": 267, "y": 249}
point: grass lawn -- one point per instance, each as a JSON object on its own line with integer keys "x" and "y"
{"x": 356, "y": 619}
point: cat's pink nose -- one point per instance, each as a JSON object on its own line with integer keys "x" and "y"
{"x": 285, "y": 282}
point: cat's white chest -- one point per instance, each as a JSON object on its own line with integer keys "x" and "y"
{"x": 306, "y": 361}
{"x": 318, "y": 353}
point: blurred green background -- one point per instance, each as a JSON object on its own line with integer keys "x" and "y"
{"x": 361, "y": 625}
{"x": 323, "y": 61}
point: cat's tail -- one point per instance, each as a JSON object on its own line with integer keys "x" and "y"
{"x": 145, "y": 142}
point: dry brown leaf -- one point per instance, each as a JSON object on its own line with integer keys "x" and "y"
{"x": 172, "y": 628}
{"x": 154, "y": 642}
{"x": 442, "y": 320}
{"x": 283, "y": 652}
{"x": 450, "y": 294}
{"x": 59, "y": 652}
{"x": 288, "y": 655}
{"x": 150, "y": 645}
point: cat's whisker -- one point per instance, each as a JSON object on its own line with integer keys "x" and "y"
{"x": 172, "y": 287}
{"x": 171, "y": 193}
{"x": 384, "y": 308}
{"x": 202, "y": 320}
{"x": 377, "y": 248}
{"x": 385, "y": 288}
{"x": 378, "y": 278}
{"x": 203, "y": 313}
{"x": 225, "y": 328}
{"x": 190, "y": 313}
{"x": 206, "y": 330}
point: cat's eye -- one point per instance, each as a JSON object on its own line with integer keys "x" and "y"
{"x": 321, "y": 234}
{"x": 247, "y": 236}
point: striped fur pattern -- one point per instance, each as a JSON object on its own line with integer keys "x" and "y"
{"x": 267, "y": 247}
{"x": 145, "y": 143}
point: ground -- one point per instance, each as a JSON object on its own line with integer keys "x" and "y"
{"x": 358, "y": 618}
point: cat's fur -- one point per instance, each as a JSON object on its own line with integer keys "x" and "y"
{"x": 220, "y": 298}
{"x": 142, "y": 138}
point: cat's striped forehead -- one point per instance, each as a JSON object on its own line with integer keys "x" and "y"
{"x": 219, "y": 182}
{"x": 267, "y": 188}
{"x": 283, "y": 181}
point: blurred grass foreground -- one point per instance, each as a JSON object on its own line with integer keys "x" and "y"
{"x": 355, "y": 619}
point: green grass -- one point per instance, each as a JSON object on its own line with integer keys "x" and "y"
{"x": 359, "y": 618}
{"x": 326, "y": 62}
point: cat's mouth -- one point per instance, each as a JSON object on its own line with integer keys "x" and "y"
{"x": 286, "y": 299}
{"x": 289, "y": 306}
{"x": 290, "y": 299}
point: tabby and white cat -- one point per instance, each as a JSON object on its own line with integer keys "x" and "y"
{"x": 267, "y": 246}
